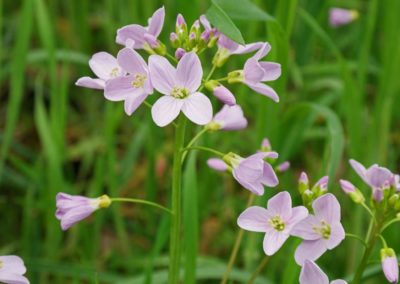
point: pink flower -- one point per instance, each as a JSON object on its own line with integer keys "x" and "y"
{"x": 378, "y": 178}
{"x": 312, "y": 274}
{"x": 339, "y": 17}
{"x": 140, "y": 36}
{"x": 321, "y": 231}
{"x": 276, "y": 221}
{"x": 132, "y": 88}
{"x": 228, "y": 118}
{"x": 390, "y": 265}
{"x": 256, "y": 72}
{"x": 105, "y": 66}
{"x": 12, "y": 269}
{"x": 179, "y": 87}
{"x": 74, "y": 208}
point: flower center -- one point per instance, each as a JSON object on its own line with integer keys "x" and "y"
{"x": 1, "y": 264}
{"x": 324, "y": 230}
{"x": 277, "y": 223}
{"x": 139, "y": 80}
{"x": 114, "y": 72}
{"x": 180, "y": 93}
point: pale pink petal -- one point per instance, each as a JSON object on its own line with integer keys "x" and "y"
{"x": 91, "y": 83}
{"x": 75, "y": 215}
{"x": 254, "y": 219}
{"x": 217, "y": 164}
{"x": 281, "y": 204}
{"x": 272, "y": 70}
{"x": 299, "y": 213}
{"x": 120, "y": 88}
{"x": 253, "y": 72}
{"x": 305, "y": 228}
{"x": 231, "y": 118}
{"x": 336, "y": 237}
{"x": 12, "y": 264}
{"x": 378, "y": 176}
{"x": 263, "y": 51}
{"x": 12, "y": 278}
{"x": 131, "y": 61}
{"x": 165, "y": 110}
{"x": 156, "y": 22}
{"x": 255, "y": 187}
{"x": 227, "y": 43}
{"x": 162, "y": 74}
{"x": 269, "y": 177}
{"x": 243, "y": 49}
{"x": 189, "y": 72}
{"x": 224, "y": 95}
{"x": 312, "y": 274}
{"x": 133, "y": 101}
{"x": 264, "y": 90}
{"x": 310, "y": 250}
{"x": 104, "y": 65}
{"x": 338, "y": 281}
{"x": 134, "y": 34}
{"x": 359, "y": 168}
{"x": 197, "y": 107}
{"x": 327, "y": 208}
{"x": 391, "y": 269}
{"x": 273, "y": 241}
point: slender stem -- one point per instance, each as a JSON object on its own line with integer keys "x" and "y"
{"x": 258, "y": 270}
{"x": 236, "y": 247}
{"x": 149, "y": 105}
{"x": 141, "y": 201}
{"x": 195, "y": 138}
{"x": 171, "y": 57}
{"x": 214, "y": 67}
{"x": 222, "y": 79}
{"x": 368, "y": 210}
{"x": 356, "y": 238}
{"x": 204, "y": 149}
{"x": 384, "y": 244}
{"x": 175, "y": 229}
{"x": 384, "y": 227}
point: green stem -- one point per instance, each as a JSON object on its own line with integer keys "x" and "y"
{"x": 258, "y": 270}
{"x": 236, "y": 247}
{"x": 214, "y": 67}
{"x": 201, "y": 148}
{"x": 356, "y": 238}
{"x": 171, "y": 57}
{"x": 368, "y": 210}
{"x": 141, "y": 201}
{"x": 384, "y": 244}
{"x": 384, "y": 227}
{"x": 195, "y": 138}
{"x": 175, "y": 230}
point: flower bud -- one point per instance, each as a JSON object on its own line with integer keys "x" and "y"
{"x": 283, "y": 167}
{"x": 195, "y": 29}
{"x": 393, "y": 199}
{"x": 235, "y": 76}
{"x": 180, "y": 24}
{"x": 354, "y": 193}
{"x": 173, "y": 38}
{"x": 321, "y": 187}
{"x": 303, "y": 183}
{"x": 220, "y": 92}
{"x": 390, "y": 265}
{"x": 179, "y": 53}
{"x": 266, "y": 145}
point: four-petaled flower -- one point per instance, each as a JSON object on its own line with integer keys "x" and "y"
{"x": 12, "y": 269}
{"x": 228, "y": 118}
{"x": 321, "y": 231}
{"x": 74, "y": 208}
{"x": 132, "y": 88}
{"x": 312, "y": 274}
{"x": 179, "y": 87}
{"x": 276, "y": 221}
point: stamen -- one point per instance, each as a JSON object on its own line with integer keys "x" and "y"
{"x": 277, "y": 223}
{"x": 180, "y": 93}
{"x": 139, "y": 80}
{"x": 1, "y": 264}
{"x": 324, "y": 230}
{"x": 114, "y": 72}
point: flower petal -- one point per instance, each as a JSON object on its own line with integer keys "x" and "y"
{"x": 165, "y": 110}
{"x": 162, "y": 74}
{"x": 75, "y": 215}
{"x": 299, "y": 213}
{"x": 336, "y": 237}
{"x": 104, "y": 65}
{"x": 391, "y": 269}
{"x": 91, "y": 83}
{"x": 189, "y": 72}
{"x": 269, "y": 177}
{"x": 156, "y": 22}
{"x": 264, "y": 90}
{"x": 243, "y": 49}
{"x": 305, "y": 228}
{"x": 131, "y": 61}
{"x": 133, "y": 33}
{"x": 273, "y": 241}
{"x": 378, "y": 176}
{"x": 217, "y": 164}
{"x": 310, "y": 250}
{"x": 254, "y": 219}
{"x": 133, "y": 101}
{"x": 231, "y": 118}
{"x": 12, "y": 278}
{"x": 359, "y": 168}
{"x": 120, "y": 88}
{"x": 312, "y": 274}
{"x": 253, "y": 72}
{"x": 197, "y": 107}
{"x": 281, "y": 204}
{"x": 326, "y": 207}
{"x": 263, "y": 51}
{"x": 338, "y": 281}
{"x": 12, "y": 264}
{"x": 224, "y": 95}
{"x": 272, "y": 70}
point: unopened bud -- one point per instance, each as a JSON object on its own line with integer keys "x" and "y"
{"x": 173, "y": 37}
{"x": 354, "y": 193}
{"x": 283, "y": 167}
{"x": 235, "y": 76}
{"x": 179, "y": 53}
{"x": 303, "y": 183}
{"x": 266, "y": 145}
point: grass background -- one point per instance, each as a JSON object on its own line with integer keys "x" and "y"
{"x": 339, "y": 99}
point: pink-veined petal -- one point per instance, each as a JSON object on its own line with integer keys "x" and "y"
{"x": 132, "y": 34}
{"x": 162, "y": 74}
{"x": 104, "y": 65}
{"x": 189, "y": 72}
{"x": 131, "y": 61}
{"x": 272, "y": 70}
{"x": 264, "y": 90}
{"x": 75, "y": 215}
{"x": 359, "y": 168}
{"x": 299, "y": 213}
{"x": 156, "y": 22}
{"x": 263, "y": 51}
{"x": 217, "y": 164}
{"x": 197, "y": 107}
{"x": 165, "y": 110}
{"x": 312, "y": 274}
{"x": 336, "y": 237}
{"x": 243, "y": 49}
{"x": 281, "y": 205}
{"x": 253, "y": 72}
{"x": 254, "y": 219}
{"x": 91, "y": 83}
{"x": 305, "y": 228}
{"x": 269, "y": 177}
{"x": 133, "y": 101}
{"x": 12, "y": 278}
{"x": 273, "y": 241}
{"x": 12, "y": 264}
{"x": 327, "y": 208}
{"x": 310, "y": 250}
{"x": 120, "y": 88}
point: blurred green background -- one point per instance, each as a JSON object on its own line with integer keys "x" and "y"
{"x": 339, "y": 99}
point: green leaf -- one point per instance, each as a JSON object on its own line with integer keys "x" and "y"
{"x": 243, "y": 10}
{"x": 217, "y": 16}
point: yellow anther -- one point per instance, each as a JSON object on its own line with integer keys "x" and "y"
{"x": 277, "y": 223}
{"x": 139, "y": 80}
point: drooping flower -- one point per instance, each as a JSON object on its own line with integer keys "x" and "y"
{"x": 105, "y": 66}
{"x": 179, "y": 87}
{"x": 276, "y": 221}
{"x": 390, "y": 265}
{"x": 132, "y": 88}
{"x": 339, "y": 16}
{"x": 312, "y": 274}
{"x": 74, "y": 208}
{"x": 12, "y": 269}
{"x": 228, "y": 118}
{"x": 142, "y": 37}
{"x": 321, "y": 231}
{"x": 378, "y": 178}
{"x": 221, "y": 92}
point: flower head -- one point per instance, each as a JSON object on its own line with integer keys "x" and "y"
{"x": 312, "y": 274}
{"x": 339, "y": 17}
{"x": 179, "y": 87}
{"x": 132, "y": 88}
{"x": 105, "y": 66}
{"x": 390, "y": 265}
{"x": 228, "y": 118}
{"x": 276, "y": 221}
{"x": 12, "y": 269}
{"x": 142, "y": 37}
{"x": 321, "y": 231}
{"x": 74, "y": 208}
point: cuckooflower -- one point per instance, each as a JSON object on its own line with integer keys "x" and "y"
{"x": 74, "y": 208}
{"x": 222, "y": 93}
{"x": 105, "y": 66}
{"x": 339, "y": 17}
{"x": 12, "y": 269}
{"x": 228, "y": 118}
{"x": 378, "y": 178}
{"x": 276, "y": 221}
{"x": 142, "y": 37}
{"x": 132, "y": 88}
{"x": 179, "y": 87}
{"x": 312, "y": 274}
{"x": 390, "y": 265}
{"x": 321, "y": 231}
